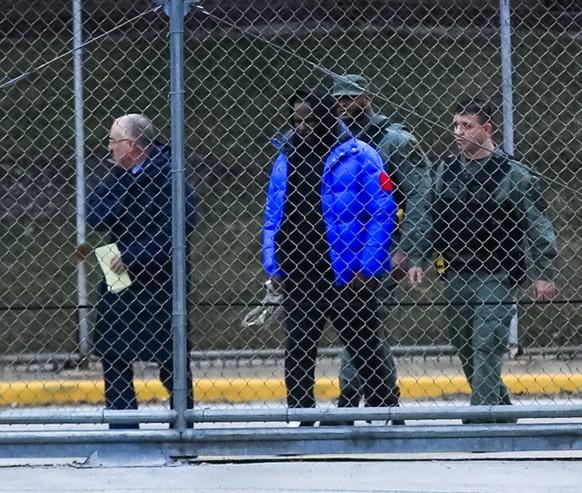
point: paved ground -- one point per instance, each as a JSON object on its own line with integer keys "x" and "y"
{"x": 458, "y": 473}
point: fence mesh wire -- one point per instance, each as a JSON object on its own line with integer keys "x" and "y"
{"x": 242, "y": 62}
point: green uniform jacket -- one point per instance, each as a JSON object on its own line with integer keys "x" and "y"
{"x": 409, "y": 168}
{"x": 519, "y": 186}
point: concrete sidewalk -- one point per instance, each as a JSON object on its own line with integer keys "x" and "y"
{"x": 416, "y": 473}
{"x": 262, "y": 380}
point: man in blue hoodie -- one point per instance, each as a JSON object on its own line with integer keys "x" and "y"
{"x": 329, "y": 218}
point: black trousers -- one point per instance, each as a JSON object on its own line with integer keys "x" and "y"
{"x": 120, "y": 392}
{"x": 353, "y": 315}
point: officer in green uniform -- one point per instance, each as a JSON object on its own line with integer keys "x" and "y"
{"x": 409, "y": 170}
{"x": 486, "y": 212}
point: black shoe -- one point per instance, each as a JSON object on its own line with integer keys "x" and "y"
{"x": 124, "y": 426}
{"x": 395, "y": 422}
{"x": 297, "y": 424}
{"x": 336, "y": 423}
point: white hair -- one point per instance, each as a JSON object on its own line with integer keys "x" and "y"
{"x": 138, "y": 128}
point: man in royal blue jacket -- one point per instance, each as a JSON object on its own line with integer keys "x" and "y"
{"x": 329, "y": 218}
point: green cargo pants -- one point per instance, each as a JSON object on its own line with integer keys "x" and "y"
{"x": 479, "y": 317}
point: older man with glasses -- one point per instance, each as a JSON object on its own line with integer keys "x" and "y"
{"x": 134, "y": 204}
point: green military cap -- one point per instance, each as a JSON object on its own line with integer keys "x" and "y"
{"x": 349, "y": 85}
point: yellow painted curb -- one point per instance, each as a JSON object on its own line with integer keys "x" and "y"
{"x": 269, "y": 389}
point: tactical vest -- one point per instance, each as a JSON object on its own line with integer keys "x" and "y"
{"x": 470, "y": 223}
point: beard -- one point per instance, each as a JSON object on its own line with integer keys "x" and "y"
{"x": 352, "y": 114}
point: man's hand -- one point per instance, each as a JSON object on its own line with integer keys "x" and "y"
{"x": 398, "y": 265}
{"x": 117, "y": 265}
{"x": 543, "y": 290}
{"x": 362, "y": 281}
{"x": 83, "y": 251}
{"x": 415, "y": 276}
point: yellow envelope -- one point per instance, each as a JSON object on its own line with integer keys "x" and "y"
{"x": 115, "y": 282}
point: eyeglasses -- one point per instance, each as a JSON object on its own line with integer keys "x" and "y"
{"x": 117, "y": 141}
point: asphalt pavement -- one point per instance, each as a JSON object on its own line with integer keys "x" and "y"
{"x": 452, "y": 473}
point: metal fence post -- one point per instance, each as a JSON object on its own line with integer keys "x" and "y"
{"x": 83, "y": 328}
{"x": 506, "y": 68}
{"x": 178, "y": 209}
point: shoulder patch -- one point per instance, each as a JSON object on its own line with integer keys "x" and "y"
{"x": 385, "y": 182}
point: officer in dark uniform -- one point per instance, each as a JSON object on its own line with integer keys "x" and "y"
{"x": 486, "y": 212}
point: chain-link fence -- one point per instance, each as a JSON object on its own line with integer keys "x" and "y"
{"x": 70, "y": 71}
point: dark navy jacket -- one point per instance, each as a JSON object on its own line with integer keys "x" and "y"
{"x": 136, "y": 209}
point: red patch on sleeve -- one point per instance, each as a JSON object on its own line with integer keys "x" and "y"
{"x": 385, "y": 182}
